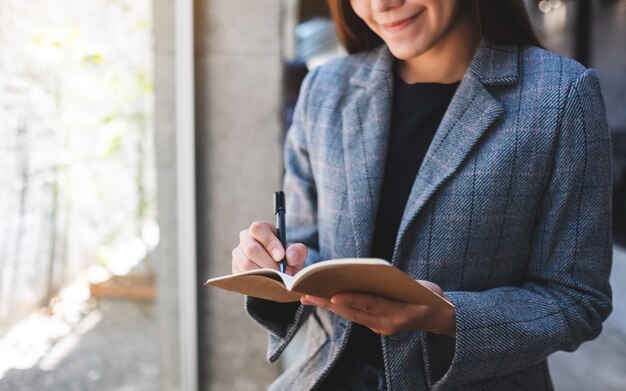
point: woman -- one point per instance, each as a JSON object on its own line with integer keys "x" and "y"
{"x": 451, "y": 144}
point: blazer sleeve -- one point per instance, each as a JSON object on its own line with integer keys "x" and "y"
{"x": 283, "y": 320}
{"x": 567, "y": 294}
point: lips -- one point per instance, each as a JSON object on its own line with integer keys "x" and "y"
{"x": 400, "y": 24}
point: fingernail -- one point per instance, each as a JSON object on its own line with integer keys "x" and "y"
{"x": 276, "y": 254}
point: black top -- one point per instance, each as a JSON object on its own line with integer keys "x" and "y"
{"x": 416, "y": 113}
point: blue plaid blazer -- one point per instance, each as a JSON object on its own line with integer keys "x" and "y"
{"x": 509, "y": 214}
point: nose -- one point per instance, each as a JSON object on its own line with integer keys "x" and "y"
{"x": 384, "y": 5}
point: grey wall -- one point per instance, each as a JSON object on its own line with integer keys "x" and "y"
{"x": 165, "y": 255}
{"x": 238, "y": 76}
{"x": 239, "y": 165}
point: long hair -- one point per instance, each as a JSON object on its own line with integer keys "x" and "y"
{"x": 500, "y": 21}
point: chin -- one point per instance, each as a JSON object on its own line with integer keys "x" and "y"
{"x": 405, "y": 53}
{"x": 407, "y": 48}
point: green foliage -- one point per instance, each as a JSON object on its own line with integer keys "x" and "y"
{"x": 95, "y": 58}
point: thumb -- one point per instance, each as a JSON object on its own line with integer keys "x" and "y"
{"x": 296, "y": 255}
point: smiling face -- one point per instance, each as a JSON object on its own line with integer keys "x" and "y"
{"x": 410, "y": 28}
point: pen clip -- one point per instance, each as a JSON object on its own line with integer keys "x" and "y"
{"x": 279, "y": 202}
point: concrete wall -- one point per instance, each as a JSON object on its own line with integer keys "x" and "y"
{"x": 238, "y": 76}
{"x": 239, "y": 165}
{"x": 165, "y": 255}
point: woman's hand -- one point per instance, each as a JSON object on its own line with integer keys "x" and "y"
{"x": 388, "y": 317}
{"x": 259, "y": 247}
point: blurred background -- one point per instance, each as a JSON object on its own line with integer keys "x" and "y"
{"x": 138, "y": 137}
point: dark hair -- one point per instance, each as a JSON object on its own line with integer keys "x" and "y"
{"x": 500, "y": 21}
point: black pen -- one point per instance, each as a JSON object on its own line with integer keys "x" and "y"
{"x": 281, "y": 228}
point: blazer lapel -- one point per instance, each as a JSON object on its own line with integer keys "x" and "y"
{"x": 472, "y": 111}
{"x": 366, "y": 120}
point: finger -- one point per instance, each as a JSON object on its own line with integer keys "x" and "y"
{"x": 393, "y": 315}
{"x": 432, "y": 286}
{"x": 296, "y": 255}
{"x": 315, "y": 300}
{"x": 235, "y": 260}
{"x": 254, "y": 251}
{"x": 350, "y": 313}
{"x": 265, "y": 233}
{"x": 372, "y": 304}
{"x": 243, "y": 263}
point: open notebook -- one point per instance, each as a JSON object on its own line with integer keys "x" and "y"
{"x": 327, "y": 278}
